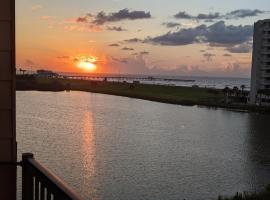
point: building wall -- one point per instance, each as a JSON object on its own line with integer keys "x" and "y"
{"x": 260, "y": 73}
{"x": 255, "y": 64}
{"x": 7, "y": 100}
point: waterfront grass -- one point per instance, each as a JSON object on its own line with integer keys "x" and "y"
{"x": 161, "y": 93}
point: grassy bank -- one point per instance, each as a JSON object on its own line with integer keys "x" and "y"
{"x": 160, "y": 93}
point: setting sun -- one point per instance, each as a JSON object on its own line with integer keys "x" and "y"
{"x": 87, "y": 63}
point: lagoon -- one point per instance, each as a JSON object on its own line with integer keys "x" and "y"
{"x": 109, "y": 147}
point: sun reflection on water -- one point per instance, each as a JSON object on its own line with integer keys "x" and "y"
{"x": 89, "y": 151}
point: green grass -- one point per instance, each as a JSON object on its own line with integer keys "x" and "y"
{"x": 161, "y": 93}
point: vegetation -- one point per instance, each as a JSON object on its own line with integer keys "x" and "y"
{"x": 160, "y": 93}
{"x": 170, "y": 94}
{"x": 263, "y": 195}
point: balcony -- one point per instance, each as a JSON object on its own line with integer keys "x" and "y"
{"x": 266, "y": 44}
{"x": 266, "y": 35}
{"x": 265, "y": 59}
{"x": 264, "y": 68}
{"x": 266, "y": 75}
{"x": 39, "y": 183}
{"x": 267, "y": 28}
{"x": 265, "y": 82}
{"x": 265, "y": 51}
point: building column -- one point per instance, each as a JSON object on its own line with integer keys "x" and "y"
{"x": 8, "y": 152}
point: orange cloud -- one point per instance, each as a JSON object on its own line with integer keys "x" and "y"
{"x": 36, "y": 7}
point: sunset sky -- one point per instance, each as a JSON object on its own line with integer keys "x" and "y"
{"x": 172, "y": 37}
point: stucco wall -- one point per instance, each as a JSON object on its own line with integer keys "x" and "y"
{"x": 7, "y": 99}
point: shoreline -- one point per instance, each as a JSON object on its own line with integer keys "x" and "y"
{"x": 177, "y": 95}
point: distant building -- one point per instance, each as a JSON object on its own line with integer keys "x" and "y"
{"x": 260, "y": 73}
{"x": 46, "y": 73}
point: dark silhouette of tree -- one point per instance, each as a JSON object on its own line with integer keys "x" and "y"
{"x": 226, "y": 92}
{"x": 243, "y": 88}
{"x": 235, "y": 91}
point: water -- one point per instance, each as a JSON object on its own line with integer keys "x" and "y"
{"x": 208, "y": 82}
{"x": 109, "y": 147}
{"x": 205, "y": 82}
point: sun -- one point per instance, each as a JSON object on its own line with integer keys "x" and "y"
{"x": 87, "y": 63}
{"x": 87, "y": 66}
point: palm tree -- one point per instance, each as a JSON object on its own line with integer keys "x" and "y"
{"x": 226, "y": 91}
{"x": 243, "y": 88}
{"x": 235, "y": 90}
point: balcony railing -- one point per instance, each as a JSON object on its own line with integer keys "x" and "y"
{"x": 265, "y": 82}
{"x": 266, "y": 36}
{"x": 265, "y": 51}
{"x": 266, "y": 44}
{"x": 39, "y": 183}
{"x": 265, "y": 59}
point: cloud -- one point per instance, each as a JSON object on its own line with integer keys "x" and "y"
{"x": 227, "y": 55}
{"x": 127, "y": 49}
{"x": 139, "y": 64}
{"x": 144, "y": 52}
{"x": 209, "y": 17}
{"x": 209, "y": 56}
{"x": 73, "y": 25}
{"x": 181, "y": 37}
{"x": 120, "y": 60}
{"x": 125, "y": 14}
{"x": 243, "y": 13}
{"x": 116, "y": 28}
{"x": 241, "y": 48}
{"x": 237, "y": 69}
{"x": 171, "y": 24}
{"x": 134, "y": 40}
{"x": 83, "y": 19}
{"x": 114, "y": 45}
{"x": 47, "y": 18}
{"x": 218, "y": 34}
{"x": 63, "y": 57}
{"x": 183, "y": 15}
{"x": 36, "y": 7}
{"x": 200, "y": 16}
{"x": 29, "y": 62}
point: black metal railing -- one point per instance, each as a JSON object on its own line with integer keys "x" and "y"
{"x": 39, "y": 183}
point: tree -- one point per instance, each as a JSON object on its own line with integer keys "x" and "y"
{"x": 235, "y": 90}
{"x": 243, "y": 88}
{"x": 226, "y": 91}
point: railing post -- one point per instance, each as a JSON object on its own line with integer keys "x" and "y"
{"x": 27, "y": 178}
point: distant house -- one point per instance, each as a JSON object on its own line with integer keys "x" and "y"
{"x": 46, "y": 73}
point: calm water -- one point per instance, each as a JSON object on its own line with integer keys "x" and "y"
{"x": 118, "y": 148}
{"x": 208, "y": 82}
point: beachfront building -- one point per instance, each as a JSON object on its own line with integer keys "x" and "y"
{"x": 260, "y": 73}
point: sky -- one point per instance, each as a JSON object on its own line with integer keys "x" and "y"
{"x": 154, "y": 37}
